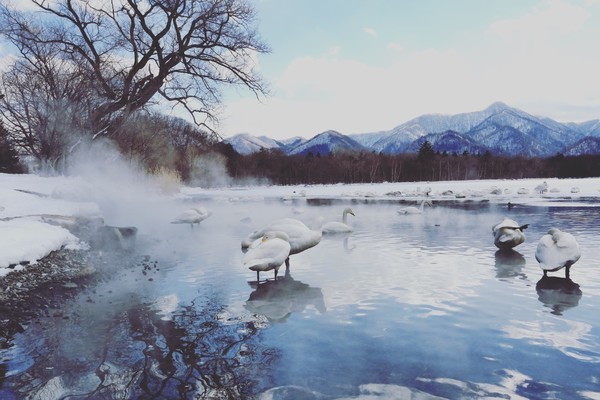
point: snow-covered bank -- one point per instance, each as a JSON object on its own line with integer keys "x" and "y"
{"x": 25, "y": 235}
{"x": 519, "y": 190}
{"x": 26, "y": 241}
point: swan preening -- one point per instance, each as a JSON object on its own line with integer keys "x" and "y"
{"x": 414, "y": 210}
{"x": 192, "y": 216}
{"x": 338, "y": 227}
{"x": 508, "y": 234}
{"x": 300, "y": 236}
{"x": 268, "y": 253}
{"x": 557, "y": 250}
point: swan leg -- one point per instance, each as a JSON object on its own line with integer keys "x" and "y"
{"x": 567, "y": 272}
{"x": 287, "y": 263}
{"x": 257, "y": 277}
{"x": 545, "y": 273}
{"x": 276, "y": 273}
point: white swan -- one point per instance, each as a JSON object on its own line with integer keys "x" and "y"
{"x": 301, "y": 237}
{"x": 192, "y": 216}
{"x": 508, "y": 234}
{"x": 557, "y": 250}
{"x": 542, "y": 187}
{"x": 267, "y": 253}
{"x": 414, "y": 210}
{"x": 339, "y": 227}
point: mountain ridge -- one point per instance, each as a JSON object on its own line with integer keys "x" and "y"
{"x": 499, "y": 129}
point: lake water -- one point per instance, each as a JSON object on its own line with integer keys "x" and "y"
{"x": 406, "y": 305}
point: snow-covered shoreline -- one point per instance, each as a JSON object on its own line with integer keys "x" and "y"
{"x": 515, "y": 190}
{"x": 26, "y": 235}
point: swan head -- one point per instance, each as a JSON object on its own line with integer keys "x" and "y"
{"x": 426, "y": 202}
{"x": 202, "y": 211}
{"x": 555, "y": 233}
{"x": 275, "y": 234}
{"x": 348, "y": 210}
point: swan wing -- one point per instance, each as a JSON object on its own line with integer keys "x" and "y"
{"x": 192, "y": 215}
{"x": 566, "y": 240}
{"x": 267, "y": 255}
{"x": 508, "y": 237}
{"x": 506, "y": 223}
{"x": 551, "y": 256}
{"x": 336, "y": 227}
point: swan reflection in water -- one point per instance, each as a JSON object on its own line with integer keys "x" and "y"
{"x": 279, "y": 298}
{"x": 509, "y": 264}
{"x": 347, "y": 246}
{"x": 344, "y": 238}
{"x": 557, "y": 293}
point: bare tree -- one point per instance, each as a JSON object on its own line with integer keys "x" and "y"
{"x": 133, "y": 52}
{"x": 44, "y": 101}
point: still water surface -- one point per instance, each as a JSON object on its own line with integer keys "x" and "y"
{"x": 405, "y": 305}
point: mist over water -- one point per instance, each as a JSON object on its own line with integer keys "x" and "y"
{"x": 405, "y": 305}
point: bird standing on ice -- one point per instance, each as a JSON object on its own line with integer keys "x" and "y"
{"x": 542, "y": 187}
{"x": 268, "y": 253}
{"x": 557, "y": 250}
{"x": 508, "y": 234}
{"x": 339, "y": 227}
{"x": 192, "y": 216}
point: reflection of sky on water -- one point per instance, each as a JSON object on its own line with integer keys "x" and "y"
{"x": 404, "y": 305}
{"x": 573, "y": 338}
{"x": 431, "y": 287}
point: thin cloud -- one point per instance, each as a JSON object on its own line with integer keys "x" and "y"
{"x": 370, "y": 31}
{"x": 397, "y": 47}
{"x": 538, "y": 61}
{"x": 556, "y": 18}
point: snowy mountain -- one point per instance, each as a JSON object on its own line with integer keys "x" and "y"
{"x": 498, "y": 128}
{"x": 513, "y": 132}
{"x": 399, "y": 138}
{"x": 328, "y": 142}
{"x": 588, "y": 128}
{"x": 449, "y": 141}
{"x": 289, "y": 144}
{"x": 587, "y": 145}
{"x": 245, "y": 143}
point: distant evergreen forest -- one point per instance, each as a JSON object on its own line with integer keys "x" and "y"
{"x": 426, "y": 165}
{"x": 198, "y": 158}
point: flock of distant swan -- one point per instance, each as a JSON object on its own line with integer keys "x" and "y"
{"x": 269, "y": 248}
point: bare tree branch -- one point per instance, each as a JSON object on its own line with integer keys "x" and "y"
{"x": 181, "y": 50}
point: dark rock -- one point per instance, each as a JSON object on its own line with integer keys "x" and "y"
{"x": 114, "y": 238}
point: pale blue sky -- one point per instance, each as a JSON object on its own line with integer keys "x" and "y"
{"x": 359, "y": 66}
{"x": 367, "y": 65}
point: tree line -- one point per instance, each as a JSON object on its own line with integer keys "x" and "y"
{"x": 426, "y": 165}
